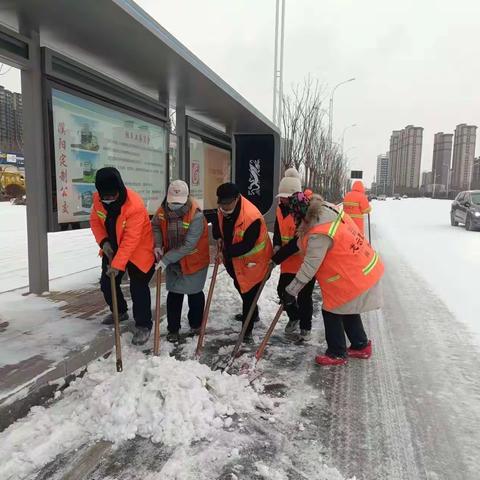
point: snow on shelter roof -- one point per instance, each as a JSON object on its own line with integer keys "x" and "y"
{"x": 120, "y": 40}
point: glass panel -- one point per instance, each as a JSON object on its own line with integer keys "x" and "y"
{"x": 89, "y": 136}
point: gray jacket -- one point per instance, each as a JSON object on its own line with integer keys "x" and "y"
{"x": 317, "y": 249}
{"x": 176, "y": 281}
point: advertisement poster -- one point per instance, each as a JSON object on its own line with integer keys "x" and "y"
{"x": 197, "y": 169}
{"x": 210, "y": 166}
{"x": 89, "y": 136}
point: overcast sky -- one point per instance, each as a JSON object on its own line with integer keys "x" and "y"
{"x": 415, "y": 61}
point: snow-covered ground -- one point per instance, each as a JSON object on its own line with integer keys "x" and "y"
{"x": 446, "y": 257}
{"x": 208, "y": 425}
{"x": 411, "y": 412}
{"x": 69, "y": 252}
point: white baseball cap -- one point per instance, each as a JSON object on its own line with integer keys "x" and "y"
{"x": 177, "y": 192}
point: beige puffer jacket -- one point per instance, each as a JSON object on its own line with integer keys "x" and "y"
{"x": 318, "y": 245}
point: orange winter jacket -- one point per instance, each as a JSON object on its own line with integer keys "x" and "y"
{"x": 133, "y": 228}
{"x": 252, "y": 267}
{"x": 199, "y": 258}
{"x": 350, "y": 267}
{"x": 356, "y": 204}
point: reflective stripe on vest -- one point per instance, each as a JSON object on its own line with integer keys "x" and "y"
{"x": 351, "y": 204}
{"x": 334, "y": 227}
{"x": 371, "y": 265}
{"x": 101, "y": 215}
{"x": 286, "y": 239}
{"x": 334, "y": 278}
{"x": 255, "y": 249}
{"x": 356, "y": 215}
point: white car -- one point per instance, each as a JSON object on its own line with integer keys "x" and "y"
{"x": 382, "y": 198}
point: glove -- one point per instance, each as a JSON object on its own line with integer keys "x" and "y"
{"x": 288, "y": 299}
{"x": 160, "y": 265}
{"x": 158, "y": 252}
{"x": 108, "y": 250}
{"x": 112, "y": 272}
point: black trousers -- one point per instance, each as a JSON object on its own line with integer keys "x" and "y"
{"x": 139, "y": 290}
{"x": 196, "y": 306}
{"x": 247, "y": 300}
{"x": 303, "y": 309}
{"x": 336, "y": 326}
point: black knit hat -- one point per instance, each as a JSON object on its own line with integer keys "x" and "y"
{"x": 227, "y": 193}
{"x": 108, "y": 181}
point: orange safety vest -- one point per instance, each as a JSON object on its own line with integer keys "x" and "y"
{"x": 133, "y": 229}
{"x": 287, "y": 228}
{"x": 251, "y": 268}
{"x": 350, "y": 267}
{"x": 197, "y": 259}
{"x": 356, "y": 204}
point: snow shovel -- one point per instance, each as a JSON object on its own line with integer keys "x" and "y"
{"x": 261, "y": 348}
{"x": 156, "y": 332}
{"x": 247, "y": 321}
{"x": 369, "y": 231}
{"x": 203, "y": 327}
{"x": 116, "y": 322}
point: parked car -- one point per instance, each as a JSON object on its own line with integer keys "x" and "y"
{"x": 382, "y": 197}
{"x": 405, "y": 196}
{"x": 396, "y": 196}
{"x": 466, "y": 210}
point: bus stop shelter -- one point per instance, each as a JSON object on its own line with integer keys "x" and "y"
{"x": 89, "y": 64}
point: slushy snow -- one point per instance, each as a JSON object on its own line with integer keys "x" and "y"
{"x": 159, "y": 398}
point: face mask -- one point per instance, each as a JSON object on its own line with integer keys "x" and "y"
{"x": 227, "y": 212}
{"x": 175, "y": 206}
{"x": 108, "y": 202}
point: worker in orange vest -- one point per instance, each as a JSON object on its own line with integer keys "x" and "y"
{"x": 243, "y": 239}
{"x": 356, "y": 204}
{"x": 182, "y": 251}
{"x": 347, "y": 269}
{"x": 121, "y": 226}
{"x": 288, "y": 256}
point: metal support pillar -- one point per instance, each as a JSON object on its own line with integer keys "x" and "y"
{"x": 35, "y": 169}
{"x": 182, "y": 138}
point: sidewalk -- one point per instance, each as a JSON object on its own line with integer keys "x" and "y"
{"x": 46, "y": 340}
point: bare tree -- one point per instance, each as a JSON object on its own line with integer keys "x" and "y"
{"x": 305, "y": 144}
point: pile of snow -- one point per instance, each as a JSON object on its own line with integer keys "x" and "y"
{"x": 158, "y": 398}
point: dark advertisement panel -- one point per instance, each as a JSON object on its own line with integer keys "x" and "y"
{"x": 254, "y": 168}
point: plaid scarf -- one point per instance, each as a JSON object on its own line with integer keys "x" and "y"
{"x": 175, "y": 231}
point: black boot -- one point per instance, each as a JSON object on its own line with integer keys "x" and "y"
{"x": 141, "y": 336}
{"x": 108, "y": 320}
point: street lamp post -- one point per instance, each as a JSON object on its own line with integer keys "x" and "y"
{"x": 344, "y": 130}
{"x": 278, "y": 63}
{"x": 330, "y": 123}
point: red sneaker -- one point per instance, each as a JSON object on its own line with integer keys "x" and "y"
{"x": 364, "y": 353}
{"x": 326, "y": 361}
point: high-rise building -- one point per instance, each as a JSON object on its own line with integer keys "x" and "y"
{"x": 463, "y": 155}
{"x": 394, "y": 157}
{"x": 476, "y": 174}
{"x": 383, "y": 174}
{"x": 11, "y": 125}
{"x": 442, "y": 158}
{"x": 406, "y": 157}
